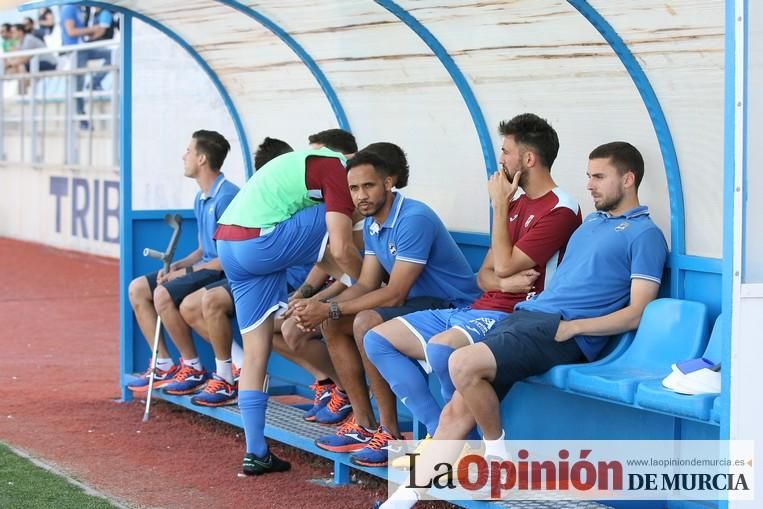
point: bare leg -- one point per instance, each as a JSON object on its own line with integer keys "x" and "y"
{"x": 173, "y": 322}
{"x": 453, "y": 338}
{"x": 217, "y": 309}
{"x": 349, "y": 366}
{"x": 386, "y": 400}
{"x": 472, "y": 369}
{"x": 142, "y": 304}
{"x": 191, "y": 311}
{"x": 402, "y": 338}
{"x": 257, "y": 347}
{"x": 309, "y": 349}
{"x": 282, "y": 348}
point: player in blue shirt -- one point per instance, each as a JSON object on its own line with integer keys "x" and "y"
{"x": 162, "y": 293}
{"x": 406, "y": 240}
{"x": 612, "y": 269}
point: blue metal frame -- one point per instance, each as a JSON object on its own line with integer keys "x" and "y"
{"x": 729, "y": 174}
{"x": 455, "y": 73}
{"x": 235, "y": 117}
{"x": 664, "y": 138}
{"x": 125, "y": 204}
{"x": 303, "y": 55}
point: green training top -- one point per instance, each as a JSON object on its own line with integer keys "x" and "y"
{"x": 275, "y": 192}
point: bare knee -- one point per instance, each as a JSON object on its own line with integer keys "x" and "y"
{"x": 453, "y": 338}
{"x": 216, "y": 303}
{"x": 463, "y": 367}
{"x": 364, "y": 322}
{"x": 331, "y": 328}
{"x": 449, "y": 414}
{"x": 455, "y": 420}
{"x": 190, "y": 310}
{"x": 162, "y": 299}
{"x": 139, "y": 291}
{"x": 292, "y": 335}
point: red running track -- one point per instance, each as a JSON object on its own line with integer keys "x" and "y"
{"x": 59, "y": 365}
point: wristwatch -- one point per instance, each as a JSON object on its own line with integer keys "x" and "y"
{"x": 334, "y": 312}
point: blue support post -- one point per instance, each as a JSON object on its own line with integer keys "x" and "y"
{"x": 125, "y": 208}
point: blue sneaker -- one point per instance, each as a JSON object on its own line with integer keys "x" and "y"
{"x": 336, "y": 410}
{"x": 322, "y": 396}
{"x": 187, "y": 381}
{"x": 348, "y": 438}
{"x": 376, "y": 453}
{"x": 161, "y": 378}
{"x": 217, "y": 392}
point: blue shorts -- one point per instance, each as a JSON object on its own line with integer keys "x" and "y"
{"x": 256, "y": 268}
{"x": 296, "y": 275}
{"x": 223, "y": 283}
{"x": 183, "y": 286}
{"x": 412, "y": 306}
{"x": 474, "y": 323}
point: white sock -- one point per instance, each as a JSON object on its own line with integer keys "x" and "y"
{"x": 194, "y": 363}
{"x": 225, "y": 370}
{"x": 164, "y": 364}
{"x": 497, "y": 447}
{"x": 237, "y": 354}
{"x": 402, "y": 498}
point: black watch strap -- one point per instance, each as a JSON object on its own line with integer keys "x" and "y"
{"x": 334, "y": 312}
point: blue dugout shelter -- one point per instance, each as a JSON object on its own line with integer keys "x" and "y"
{"x": 679, "y": 80}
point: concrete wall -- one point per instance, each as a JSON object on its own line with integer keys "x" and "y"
{"x": 70, "y": 208}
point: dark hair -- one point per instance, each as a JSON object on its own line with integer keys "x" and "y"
{"x": 535, "y": 132}
{"x": 623, "y": 156}
{"x": 6, "y": 26}
{"x": 270, "y": 148}
{"x": 369, "y": 157}
{"x": 28, "y": 20}
{"x": 213, "y": 145}
{"x": 337, "y": 140}
{"x": 20, "y": 27}
{"x": 395, "y": 159}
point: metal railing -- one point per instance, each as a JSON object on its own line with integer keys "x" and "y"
{"x": 25, "y": 115}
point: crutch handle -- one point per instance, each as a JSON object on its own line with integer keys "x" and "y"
{"x": 153, "y": 253}
{"x": 174, "y": 222}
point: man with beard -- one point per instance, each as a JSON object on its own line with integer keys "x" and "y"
{"x": 612, "y": 269}
{"x": 530, "y": 232}
{"x": 405, "y": 239}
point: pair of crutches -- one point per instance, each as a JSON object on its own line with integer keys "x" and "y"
{"x": 174, "y": 222}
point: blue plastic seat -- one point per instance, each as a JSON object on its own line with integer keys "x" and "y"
{"x": 557, "y": 376}
{"x": 715, "y": 413}
{"x": 654, "y": 396}
{"x": 670, "y": 330}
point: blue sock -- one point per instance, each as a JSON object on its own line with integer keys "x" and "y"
{"x": 405, "y": 377}
{"x": 252, "y": 405}
{"x": 438, "y": 356}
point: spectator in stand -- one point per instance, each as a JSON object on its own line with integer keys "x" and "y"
{"x": 73, "y": 30}
{"x": 9, "y": 43}
{"x": 28, "y": 24}
{"x": 102, "y": 18}
{"x": 46, "y": 21}
{"x": 25, "y": 40}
